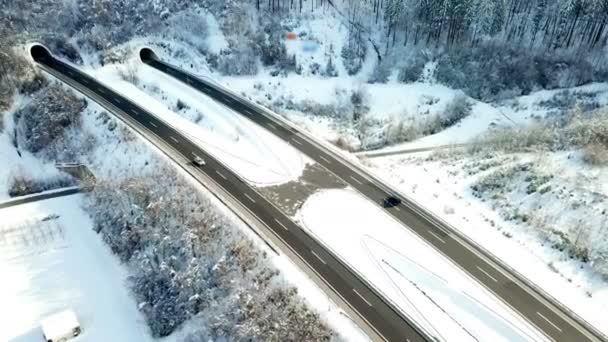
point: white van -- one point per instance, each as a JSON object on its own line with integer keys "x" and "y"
{"x": 61, "y": 327}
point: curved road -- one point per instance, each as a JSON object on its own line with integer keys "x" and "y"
{"x": 382, "y": 319}
{"x": 536, "y": 307}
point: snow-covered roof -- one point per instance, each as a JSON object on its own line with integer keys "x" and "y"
{"x": 59, "y": 324}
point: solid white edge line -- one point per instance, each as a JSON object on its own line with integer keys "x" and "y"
{"x": 487, "y": 274}
{"x": 437, "y": 236}
{"x": 360, "y": 296}
{"x": 249, "y": 197}
{"x": 221, "y": 175}
{"x": 281, "y": 224}
{"x": 548, "y": 321}
{"x": 318, "y": 257}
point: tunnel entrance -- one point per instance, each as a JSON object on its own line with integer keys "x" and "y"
{"x": 147, "y": 55}
{"x": 40, "y": 53}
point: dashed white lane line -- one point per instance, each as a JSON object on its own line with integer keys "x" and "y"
{"x": 221, "y": 175}
{"x": 325, "y": 159}
{"x": 397, "y": 208}
{"x": 281, "y": 224}
{"x": 548, "y": 321}
{"x": 365, "y": 300}
{"x": 249, "y": 198}
{"x": 487, "y": 274}
{"x": 318, "y": 257}
{"x": 101, "y": 91}
{"x": 297, "y": 141}
{"x": 271, "y": 126}
{"x": 356, "y": 180}
{"x": 437, "y": 237}
{"x": 153, "y": 124}
{"x": 117, "y": 100}
{"x": 134, "y": 112}
{"x": 174, "y": 140}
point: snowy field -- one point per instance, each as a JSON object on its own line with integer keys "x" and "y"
{"x": 51, "y": 260}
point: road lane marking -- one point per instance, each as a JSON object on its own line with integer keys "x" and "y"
{"x": 356, "y": 180}
{"x": 251, "y": 199}
{"x": 397, "y": 208}
{"x": 436, "y": 236}
{"x": 249, "y": 112}
{"x": 117, "y": 100}
{"x": 101, "y": 91}
{"x": 85, "y": 81}
{"x": 318, "y": 257}
{"x": 486, "y": 273}
{"x": 548, "y": 321}
{"x": 297, "y": 141}
{"x": 281, "y": 224}
{"x": 325, "y": 159}
{"x": 271, "y": 125}
{"x": 134, "y": 112}
{"x": 153, "y": 125}
{"x": 175, "y": 140}
{"x": 221, "y": 175}
{"x": 365, "y": 300}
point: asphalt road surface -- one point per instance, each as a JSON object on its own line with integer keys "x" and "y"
{"x": 536, "y": 307}
{"x": 381, "y": 317}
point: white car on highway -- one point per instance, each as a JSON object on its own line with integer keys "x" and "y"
{"x": 198, "y": 161}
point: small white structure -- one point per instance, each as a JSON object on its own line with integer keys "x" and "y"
{"x": 61, "y": 326}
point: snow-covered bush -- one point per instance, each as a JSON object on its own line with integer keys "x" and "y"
{"x": 46, "y": 117}
{"x": 330, "y": 69}
{"x": 484, "y": 74}
{"x": 188, "y": 260}
{"x": 353, "y": 53}
{"x": 380, "y": 73}
{"x": 238, "y": 62}
{"x": 456, "y": 110}
{"x": 595, "y": 154}
{"x": 412, "y": 69}
{"x": 129, "y": 72}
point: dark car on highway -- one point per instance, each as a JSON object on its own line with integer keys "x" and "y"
{"x": 391, "y": 201}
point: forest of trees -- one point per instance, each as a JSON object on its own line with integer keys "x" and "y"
{"x": 569, "y": 24}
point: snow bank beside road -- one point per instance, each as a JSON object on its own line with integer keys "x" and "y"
{"x": 60, "y": 263}
{"x": 445, "y": 300}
